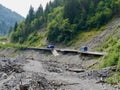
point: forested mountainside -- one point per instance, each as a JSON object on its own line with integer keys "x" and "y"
{"x": 63, "y": 20}
{"x": 8, "y": 19}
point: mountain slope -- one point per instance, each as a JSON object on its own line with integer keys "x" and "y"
{"x": 63, "y": 22}
{"x": 7, "y": 19}
{"x": 109, "y": 30}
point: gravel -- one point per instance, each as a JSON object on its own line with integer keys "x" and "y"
{"x": 36, "y": 70}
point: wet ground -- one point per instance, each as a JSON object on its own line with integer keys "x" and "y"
{"x": 38, "y": 70}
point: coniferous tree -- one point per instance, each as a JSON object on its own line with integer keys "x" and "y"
{"x": 39, "y": 12}
{"x": 71, "y": 9}
{"x": 30, "y": 15}
{"x": 15, "y": 27}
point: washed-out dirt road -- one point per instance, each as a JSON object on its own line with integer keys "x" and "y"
{"x": 39, "y": 70}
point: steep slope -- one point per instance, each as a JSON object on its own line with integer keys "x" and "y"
{"x": 110, "y": 30}
{"x": 7, "y": 19}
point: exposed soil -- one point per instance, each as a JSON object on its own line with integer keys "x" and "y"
{"x": 37, "y": 70}
{"x": 112, "y": 29}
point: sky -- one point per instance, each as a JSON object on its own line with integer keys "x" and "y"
{"x": 22, "y": 6}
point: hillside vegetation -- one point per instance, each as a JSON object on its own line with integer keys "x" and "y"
{"x": 64, "y": 20}
{"x": 112, "y": 46}
{"x": 8, "y": 19}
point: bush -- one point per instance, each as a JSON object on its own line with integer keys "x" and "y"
{"x": 111, "y": 59}
{"x": 114, "y": 79}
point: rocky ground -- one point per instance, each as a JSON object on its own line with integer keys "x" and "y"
{"x": 39, "y": 70}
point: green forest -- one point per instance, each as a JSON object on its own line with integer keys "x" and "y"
{"x": 64, "y": 19}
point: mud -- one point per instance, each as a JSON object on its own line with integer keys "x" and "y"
{"x": 35, "y": 70}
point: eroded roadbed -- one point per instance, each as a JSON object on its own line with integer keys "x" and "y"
{"x": 37, "y": 75}
{"x": 23, "y": 73}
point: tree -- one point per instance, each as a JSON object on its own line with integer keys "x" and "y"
{"x": 30, "y": 15}
{"x": 71, "y": 10}
{"x": 15, "y": 27}
{"x": 65, "y": 19}
{"x": 39, "y": 12}
{"x": 115, "y": 5}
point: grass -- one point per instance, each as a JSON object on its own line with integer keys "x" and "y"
{"x": 111, "y": 40}
{"x": 112, "y": 46}
{"x": 4, "y": 43}
{"x": 85, "y": 36}
{"x": 3, "y": 38}
{"x": 114, "y": 79}
{"x": 35, "y": 40}
{"x": 10, "y": 45}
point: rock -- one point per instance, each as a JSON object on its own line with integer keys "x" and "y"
{"x": 76, "y": 70}
{"x": 24, "y": 87}
{"x": 4, "y": 76}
